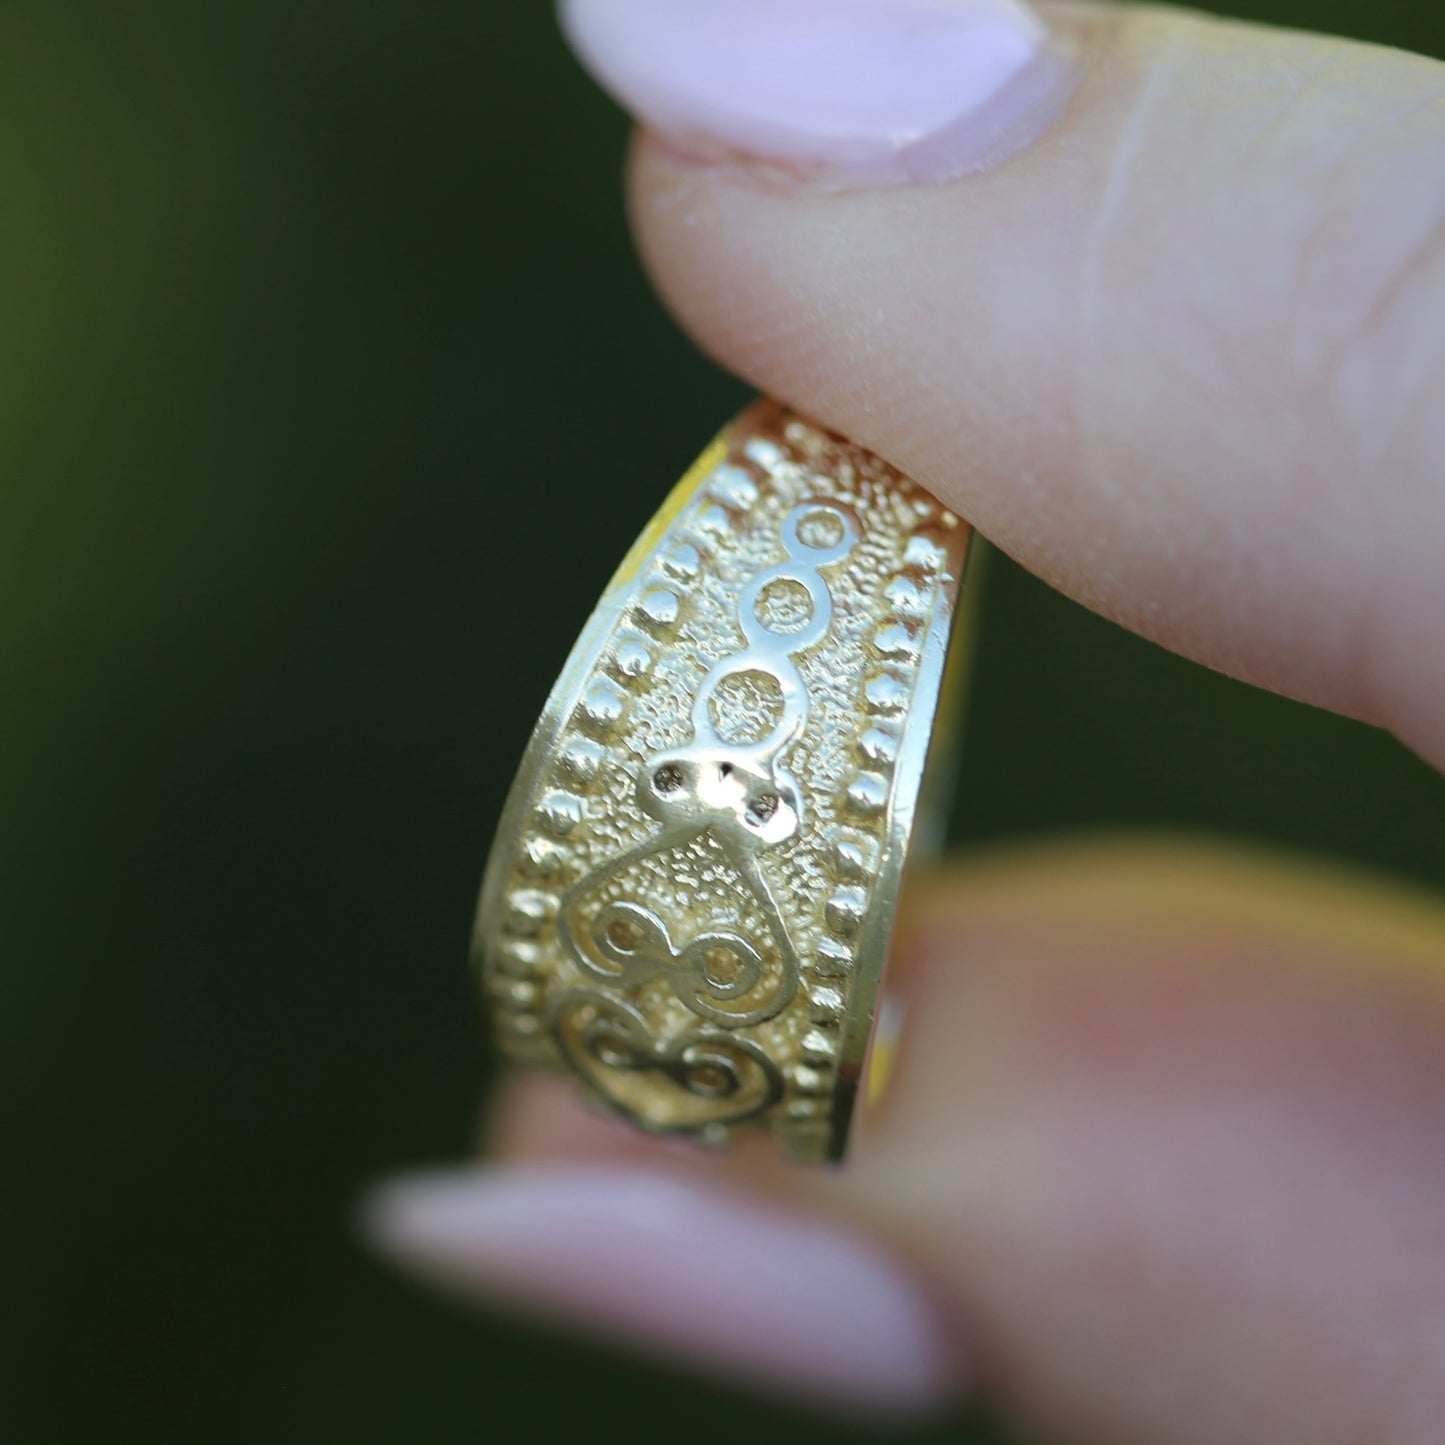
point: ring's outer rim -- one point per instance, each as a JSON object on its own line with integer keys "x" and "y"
{"x": 918, "y": 732}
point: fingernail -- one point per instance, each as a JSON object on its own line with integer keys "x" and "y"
{"x": 793, "y": 1304}
{"x": 875, "y": 90}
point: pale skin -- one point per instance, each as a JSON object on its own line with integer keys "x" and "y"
{"x": 1169, "y": 1151}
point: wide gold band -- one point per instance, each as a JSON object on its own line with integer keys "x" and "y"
{"x": 691, "y": 893}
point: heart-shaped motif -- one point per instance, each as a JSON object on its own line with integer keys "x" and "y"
{"x": 727, "y": 957}
{"x": 702, "y": 1077}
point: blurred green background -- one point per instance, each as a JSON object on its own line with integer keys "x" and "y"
{"x": 312, "y": 316}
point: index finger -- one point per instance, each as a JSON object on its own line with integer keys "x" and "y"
{"x": 1181, "y": 354}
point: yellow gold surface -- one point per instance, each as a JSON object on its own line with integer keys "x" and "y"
{"x": 691, "y": 892}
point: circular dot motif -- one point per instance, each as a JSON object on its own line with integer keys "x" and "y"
{"x": 785, "y": 606}
{"x": 746, "y": 707}
{"x": 822, "y": 529}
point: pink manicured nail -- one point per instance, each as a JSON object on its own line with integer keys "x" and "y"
{"x": 878, "y": 90}
{"x": 688, "y": 1270}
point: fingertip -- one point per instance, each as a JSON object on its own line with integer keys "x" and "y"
{"x": 871, "y": 92}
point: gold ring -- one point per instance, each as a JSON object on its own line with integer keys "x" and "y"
{"x": 691, "y": 893}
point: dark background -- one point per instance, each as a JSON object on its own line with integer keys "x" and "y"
{"x": 321, "y": 345}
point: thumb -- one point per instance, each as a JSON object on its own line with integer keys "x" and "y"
{"x": 1153, "y": 299}
{"x": 1160, "y": 1165}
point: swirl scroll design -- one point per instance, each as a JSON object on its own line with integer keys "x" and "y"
{"x": 710, "y": 975}
{"x": 715, "y": 1077}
